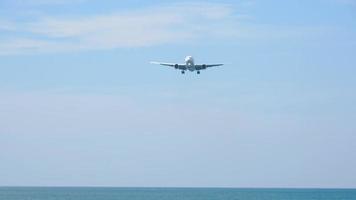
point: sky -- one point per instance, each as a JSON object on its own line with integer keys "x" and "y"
{"x": 80, "y": 104}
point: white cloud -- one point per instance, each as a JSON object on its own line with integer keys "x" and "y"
{"x": 145, "y": 27}
{"x": 170, "y": 24}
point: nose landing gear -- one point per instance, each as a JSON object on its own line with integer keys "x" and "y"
{"x": 183, "y": 72}
{"x": 198, "y": 72}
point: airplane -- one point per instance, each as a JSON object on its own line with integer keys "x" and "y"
{"x": 188, "y": 65}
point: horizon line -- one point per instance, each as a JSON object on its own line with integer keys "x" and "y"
{"x": 176, "y": 187}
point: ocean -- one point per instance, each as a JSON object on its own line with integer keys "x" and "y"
{"x": 102, "y": 193}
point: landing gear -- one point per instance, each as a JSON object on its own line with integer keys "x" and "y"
{"x": 183, "y": 72}
{"x": 198, "y": 72}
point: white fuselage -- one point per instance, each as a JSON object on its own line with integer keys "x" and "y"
{"x": 189, "y": 61}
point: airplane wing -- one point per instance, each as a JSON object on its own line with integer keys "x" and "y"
{"x": 200, "y": 67}
{"x": 177, "y": 66}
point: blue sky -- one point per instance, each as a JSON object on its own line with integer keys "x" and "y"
{"x": 81, "y": 105}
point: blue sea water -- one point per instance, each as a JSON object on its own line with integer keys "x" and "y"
{"x": 93, "y": 193}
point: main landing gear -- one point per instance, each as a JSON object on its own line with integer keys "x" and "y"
{"x": 183, "y": 72}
